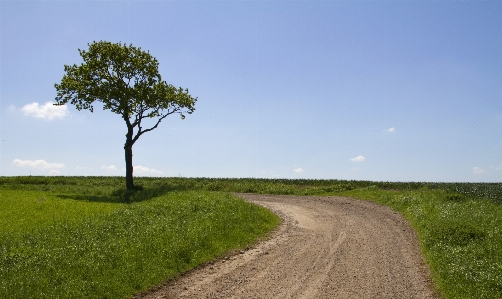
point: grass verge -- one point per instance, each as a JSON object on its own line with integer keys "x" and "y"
{"x": 459, "y": 225}
{"x": 60, "y": 244}
{"x": 461, "y": 237}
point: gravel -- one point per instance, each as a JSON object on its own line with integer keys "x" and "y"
{"x": 326, "y": 247}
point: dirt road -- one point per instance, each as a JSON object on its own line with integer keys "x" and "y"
{"x": 327, "y": 247}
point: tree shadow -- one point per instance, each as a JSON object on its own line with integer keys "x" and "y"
{"x": 91, "y": 198}
{"x": 122, "y": 195}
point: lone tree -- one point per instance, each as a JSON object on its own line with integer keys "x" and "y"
{"x": 125, "y": 80}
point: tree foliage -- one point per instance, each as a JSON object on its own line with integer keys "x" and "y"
{"x": 125, "y": 80}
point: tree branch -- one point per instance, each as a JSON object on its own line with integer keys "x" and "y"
{"x": 141, "y": 132}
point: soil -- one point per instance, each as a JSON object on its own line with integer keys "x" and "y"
{"x": 326, "y": 247}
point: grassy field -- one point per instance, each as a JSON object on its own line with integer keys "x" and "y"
{"x": 458, "y": 224}
{"x": 77, "y": 238}
{"x": 461, "y": 237}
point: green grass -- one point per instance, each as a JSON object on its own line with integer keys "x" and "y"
{"x": 57, "y": 242}
{"x": 461, "y": 238}
{"x": 23, "y": 211}
{"x": 459, "y": 226}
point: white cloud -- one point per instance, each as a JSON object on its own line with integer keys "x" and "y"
{"x": 358, "y": 159}
{"x": 298, "y": 170}
{"x": 390, "y": 130}
{"x": 142, "y": 169}
{"x": 111, "y": 167}
{"x": 498, "y": 167}
{"x": 46, "y": 111}
{"x": 54, "y": 172}
{"x": 39, "y": 164}
{"x": 477, "y": 170}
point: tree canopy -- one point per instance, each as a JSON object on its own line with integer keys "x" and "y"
{"x": 125, "y": 80}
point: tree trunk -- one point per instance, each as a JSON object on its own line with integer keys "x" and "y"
{"x": 128, "y": 157}
{"x": 129, "y": 167}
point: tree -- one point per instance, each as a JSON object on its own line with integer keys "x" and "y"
{"x": 125, "y": 80}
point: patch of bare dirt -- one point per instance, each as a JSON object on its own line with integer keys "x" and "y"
{"x": 327, "y": 247}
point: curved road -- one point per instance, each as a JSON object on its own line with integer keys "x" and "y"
{"x": 327, "y": 247}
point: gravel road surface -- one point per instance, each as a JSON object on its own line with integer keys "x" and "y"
{"x": 327, "y": 247}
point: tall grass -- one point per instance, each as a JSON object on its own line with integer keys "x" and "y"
{"x": 59, "y": 243}
{"x": 490, "y": 191}
{"x": 458, "y": 224}
{"x": 460, "y": 236}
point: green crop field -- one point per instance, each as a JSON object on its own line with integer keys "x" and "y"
{"x": 86, "y": 237}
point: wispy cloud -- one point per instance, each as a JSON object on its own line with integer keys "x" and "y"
{"x": 46, "y": 111}
{"x": 54, "y": 172}
{"x": 498, "y": 167}
{"x": 111, "y": 167}
{"x": 145, "y": 170}
{"x": 38, "y": 164}
{"x": 477, "y": 170}
{"x": 298, "y": 170}
{"x": 390, "y": 130}
{"x": 358, "y": 159}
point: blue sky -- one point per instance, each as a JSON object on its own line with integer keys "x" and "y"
{"x": 364, "y": 90}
